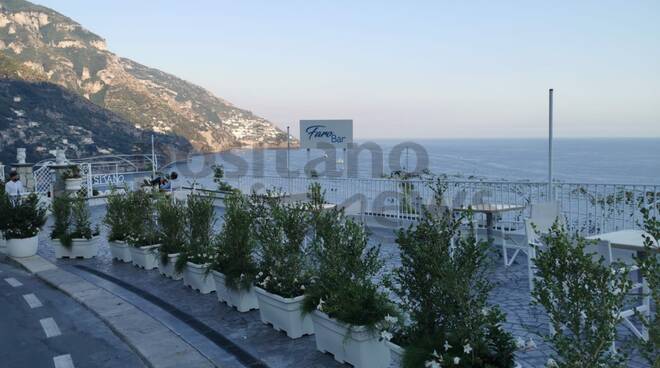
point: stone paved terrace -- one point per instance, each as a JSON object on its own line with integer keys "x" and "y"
{"x": 274, "y": 348}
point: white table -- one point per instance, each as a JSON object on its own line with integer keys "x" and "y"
{"x": 626, "y": 239}
{"x": 489, "y": 209}
{"x": 631, "y": 240}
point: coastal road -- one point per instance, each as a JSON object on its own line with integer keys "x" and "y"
{"x": 42, "y": 327}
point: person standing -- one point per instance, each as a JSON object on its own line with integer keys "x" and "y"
{"x": 14, "y": 187}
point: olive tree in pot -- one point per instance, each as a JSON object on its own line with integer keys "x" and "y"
{"x": 143, "y": 235}
{"x": 72, "y": 179}
{"x": 22, "y": 219}
{"x": 346, "y": 305}
{"x": 73, "y": 228}
{"x": 172, "y": 222}
{"x": 284, "y": 272}
{"x": 234, "y": 267}
{"x": 195, "y": 259}
{"x": 442, "y": 288}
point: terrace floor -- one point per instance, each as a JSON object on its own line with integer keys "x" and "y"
{"x": 245, "y": 330}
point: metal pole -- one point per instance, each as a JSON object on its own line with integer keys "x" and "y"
{"x": 551, "y": 193}
{"x": 288, "y": 151}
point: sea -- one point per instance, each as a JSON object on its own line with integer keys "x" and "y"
{"x": 575, "y": 160}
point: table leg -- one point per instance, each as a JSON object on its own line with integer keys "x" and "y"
{"x": 489, "y": 226}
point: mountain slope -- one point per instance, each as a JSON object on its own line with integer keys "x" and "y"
{"x": 42, "y": 116}
{"x": 65, "y": 53}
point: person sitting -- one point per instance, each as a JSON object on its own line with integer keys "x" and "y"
{"x": 14, "y": 187}
{"x": 163, "y": 182}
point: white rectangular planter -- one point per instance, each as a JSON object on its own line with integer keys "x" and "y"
{"x": 145, "y": 257}
{"x": 356, "y": 346}
{"x": 396, "y": 353}
{"x": 168, "y": 270}
{"x": 3, "y": 244}
{"x": 197, "y": 278}
{"x": 120, "y": 250}
{"x": 85, "y": 248}
{"x": 242, "y": 300}
{"x": 21, "y": 248}
{"x": 285, "y": 314}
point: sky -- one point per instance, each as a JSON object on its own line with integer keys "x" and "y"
{"x": 405, "y": 69}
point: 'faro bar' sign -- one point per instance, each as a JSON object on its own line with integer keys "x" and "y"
{"x": 338, "y": 133}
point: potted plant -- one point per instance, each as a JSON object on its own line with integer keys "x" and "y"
{"x": 143, "y": 236}
{"x": 72, "y": 179}
{"x": 234, "y": 266}
{"x": 280, "y": 231}
{"x": 172, "y": 222}
{"x": 118, "y": 227}
{"x": 345, "y": 304}
{"x": 443, "y": 290}
{"x": 196, "y": 258}
{"x": 73, "y": 229}
{"x": 22, "y": 219}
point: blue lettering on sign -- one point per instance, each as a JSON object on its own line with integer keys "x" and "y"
{"x": 320, "y": 131}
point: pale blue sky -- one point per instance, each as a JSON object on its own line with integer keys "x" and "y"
{"x": 405, "y": 69}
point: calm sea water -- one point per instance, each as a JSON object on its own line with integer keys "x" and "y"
{"x": 626, "y": 161}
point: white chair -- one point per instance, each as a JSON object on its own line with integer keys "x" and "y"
{"x": 542, "y": 217}
{"x": 643, "y": 302}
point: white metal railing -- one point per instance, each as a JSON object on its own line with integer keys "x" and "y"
{"x": 588, "y": 208}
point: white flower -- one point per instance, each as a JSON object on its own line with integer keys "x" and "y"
{"x": 386, "y": 335}
{"x": 485, "y": 311}
{"x": 467, "y": 349}
{"x": 447, "y": 346}
{"x": 531, "y": 345}
{"x": 435, "y": 354}
{"x": 320, "y": 306}
{"x": 432, "y": 364}
{"x": 520, "y": 343}
{"x": 457, "y": 360}
{"x": 390, "y": 319}
{"x": 260, "y": 274}
{"x": 302, "y": 287}
{"x": 551, "y": 363}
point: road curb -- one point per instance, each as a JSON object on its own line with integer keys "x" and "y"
{"x": 153, "y": 342}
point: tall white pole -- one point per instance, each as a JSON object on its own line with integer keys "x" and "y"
{"x": 288, "y": 152}
{"x": 551, "y": 192}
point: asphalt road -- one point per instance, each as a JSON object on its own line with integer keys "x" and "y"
{"x": 42, "y": 327}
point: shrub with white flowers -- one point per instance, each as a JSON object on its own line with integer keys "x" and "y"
{"x": 582, "y": 297}
{"x": 141, "y": 219}
{"x": 235, "y": 245}
{"x": 172, "y": 227}
{"x": 343, "y": 286}
{"x": 115, "y": 215}
{"x": 72, "y": 220}
{"x": 197, "y": 232}
{"x": 280, "y": 230}
{"x": 443, "y": 287}
{"x": 649, "y": 266}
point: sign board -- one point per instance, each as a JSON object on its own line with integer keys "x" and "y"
{"x": 338, "y": 133}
